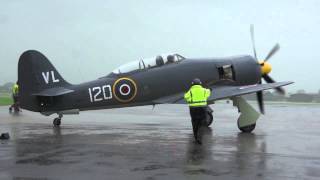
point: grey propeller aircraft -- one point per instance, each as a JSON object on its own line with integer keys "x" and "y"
{"x": 142, "y": 82}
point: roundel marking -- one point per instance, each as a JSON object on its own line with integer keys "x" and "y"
{"x": 124, "y": 90}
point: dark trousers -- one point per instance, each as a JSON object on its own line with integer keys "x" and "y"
{"x": 15, "y": 98}
{"x": 198, "y": 115}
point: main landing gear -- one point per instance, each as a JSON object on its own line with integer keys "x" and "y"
{"x": 57, "y": 121}
{"x": 248, "y": 117}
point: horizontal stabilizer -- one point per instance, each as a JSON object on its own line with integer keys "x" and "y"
{"x": 57, "y": 91}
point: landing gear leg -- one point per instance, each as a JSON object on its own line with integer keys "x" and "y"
{"x": 57, "y": 121}
{"x": 248, "y": 117}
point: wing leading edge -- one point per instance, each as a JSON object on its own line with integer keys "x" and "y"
{"x": 223, "y": 92}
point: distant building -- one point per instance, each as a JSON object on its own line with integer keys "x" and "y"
{"x": 300, "y": 97}
{"x": 316, "y": 98}
{"x": 301, "y": 91}
{"x": 267, "y": 96}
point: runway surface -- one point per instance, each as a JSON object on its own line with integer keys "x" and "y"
{"x": 141, "y": 143}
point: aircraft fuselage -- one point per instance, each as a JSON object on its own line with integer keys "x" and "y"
{"x": 138, "y": 87}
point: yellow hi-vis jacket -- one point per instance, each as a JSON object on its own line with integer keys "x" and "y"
{"x": 15, "y": 89}
{"x": 197, "y": 96}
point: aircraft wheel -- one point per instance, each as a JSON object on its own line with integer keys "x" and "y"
{"x": 209, "y": 119}
{"x": 57, "y": 121}
{"x": 247, "y": 129}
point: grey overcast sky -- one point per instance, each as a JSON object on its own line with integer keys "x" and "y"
{"x": 86, "y": 39}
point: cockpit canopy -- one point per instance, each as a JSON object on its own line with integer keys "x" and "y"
{"x": 149, "y": 63}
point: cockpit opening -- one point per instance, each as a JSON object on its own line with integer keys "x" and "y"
{"x": 226, "y": 72}
{"x": 149, "y": 63}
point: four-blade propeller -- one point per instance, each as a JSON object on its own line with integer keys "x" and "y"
{"x": 265, "y": 69}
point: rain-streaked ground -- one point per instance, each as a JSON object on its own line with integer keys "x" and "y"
{"x": 141, "y": 143}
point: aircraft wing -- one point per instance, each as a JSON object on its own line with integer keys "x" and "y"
{"x": 223, "y": 92}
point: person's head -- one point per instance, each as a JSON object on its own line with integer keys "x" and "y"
{"x": 159, "y": 58}
{"x": 159, "y": 61}
{"x": 170, "y": 58}
{"x": 196, "y": 81}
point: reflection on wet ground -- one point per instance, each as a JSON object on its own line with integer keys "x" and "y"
{"x": 141, "y": 143}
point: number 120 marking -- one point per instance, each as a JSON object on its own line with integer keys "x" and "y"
{"x": 100, "y": 93}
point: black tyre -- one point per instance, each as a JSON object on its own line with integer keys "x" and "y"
{"x": 56, "y": 121}
{"x": 209, "y": 119}
{"x": 247, "y": 129}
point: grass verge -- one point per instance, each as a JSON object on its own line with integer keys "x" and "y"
{"x": 5, "y": 101}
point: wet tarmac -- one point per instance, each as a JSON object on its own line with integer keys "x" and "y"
{"x": 141, "y": 143}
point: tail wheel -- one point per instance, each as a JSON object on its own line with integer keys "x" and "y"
{"x": 247, "y": 129}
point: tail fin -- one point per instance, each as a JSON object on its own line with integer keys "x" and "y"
{"x": 35, "y": 75}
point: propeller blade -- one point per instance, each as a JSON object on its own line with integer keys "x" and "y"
{"x": 268, "y": 79}
{"x": 272, "y": 52}
{"x": 260, "y": 101}
{"x": 253, "y": 41}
